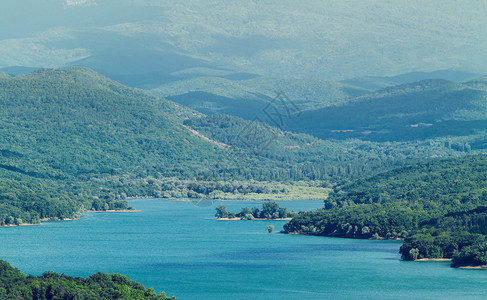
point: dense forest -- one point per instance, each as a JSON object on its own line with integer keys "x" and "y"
{"x": 438, "y": 207}
{"x": 50, "y": 285}
{"x": 73, "y": 140}
{"x": 307, "y": 157}
{"x": 24, "y": 199}
{"x": 461, "y": 236}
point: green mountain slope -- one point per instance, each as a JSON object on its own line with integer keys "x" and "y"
{"x": 307, "y": 157}
{"x": 74, "y": 122}
{"x": 64, "y": 133}
{"x": 416, "y": 111}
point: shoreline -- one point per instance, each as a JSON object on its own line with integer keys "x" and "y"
{"x": 256, "y": 219}
{"x": 434, "y": 259}
{"x": 110, "y": 211}
{"x": 249, "y": 199}
{"x": 481, "y": 267}
{"x": 56, "y": 219}
{"x": 343, "y": 237}
{"x": 20, "y": 225}
{"x": 439, "y": 260}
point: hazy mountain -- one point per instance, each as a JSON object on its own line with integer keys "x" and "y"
{"x": 249, "y": 98}
{"x": 426, "y": 109}
{"x": 318, "y": 39}
{"x": 377, "y": 83}
{"x": 4, "y": 75}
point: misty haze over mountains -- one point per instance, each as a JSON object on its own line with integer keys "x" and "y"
{"x": 146, "y": 43}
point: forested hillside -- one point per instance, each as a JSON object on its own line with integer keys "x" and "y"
{"x": 461, "y": 236}
{"x": 63, "y": 131}
{"x": 4, "y": 75}
{"x": 73, "y": 140}
{"x": 75, "y": 123}
{"x": 308, "y": 157}
{"x": 427, "y": 204}
{"x": 86, "y": 142}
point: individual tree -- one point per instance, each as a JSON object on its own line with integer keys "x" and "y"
{"x": 283, "y": 212}
{"x": 270, "y": 210}
{"x": 270, "y": 228}
{"x": 221, "y": 212}
{"x": 244, "y": 212}
{"x": 255, "y": 212}
{"x": 10, "y": 220}
{"x": 365, "y": 231}
{"x": 414, "y": 253}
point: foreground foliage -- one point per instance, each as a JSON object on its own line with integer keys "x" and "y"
{"x": 50, "y": 285}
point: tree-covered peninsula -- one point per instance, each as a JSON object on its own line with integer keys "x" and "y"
{"x": 439, "y": 208}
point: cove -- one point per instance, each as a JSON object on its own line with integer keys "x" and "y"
{"x": 179, "y": 248}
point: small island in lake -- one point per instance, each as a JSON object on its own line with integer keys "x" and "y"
{"x": 269, "y": 211}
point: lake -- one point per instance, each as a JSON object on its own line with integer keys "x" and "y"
{"x": 179, "y": 248}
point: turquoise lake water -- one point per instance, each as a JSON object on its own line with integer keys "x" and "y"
{"x": 179, "y": 248}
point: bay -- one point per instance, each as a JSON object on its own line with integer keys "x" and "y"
{"x": 179, "y": 248}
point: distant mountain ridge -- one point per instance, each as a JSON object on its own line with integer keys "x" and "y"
{"x": 413, "y": 111}
{"x": 247, "y": 98}
{"x": 377, "y": 82}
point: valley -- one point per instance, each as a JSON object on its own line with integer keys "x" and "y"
{"x": 349, "y": 139}
{"x": 86, "y": 134}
